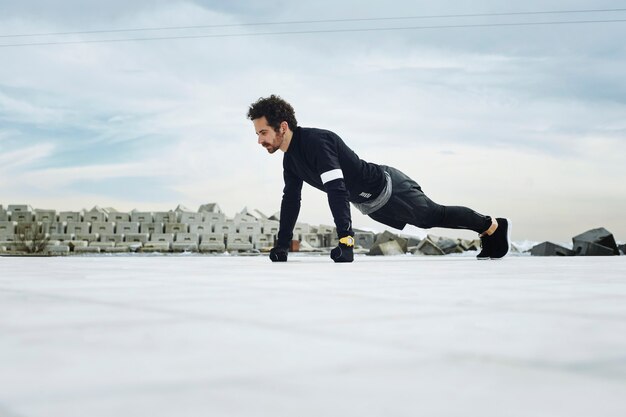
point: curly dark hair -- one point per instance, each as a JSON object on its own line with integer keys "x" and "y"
{"x": 275, "y": 109}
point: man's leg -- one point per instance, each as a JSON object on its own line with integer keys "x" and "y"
{"x": 409, "y": 204}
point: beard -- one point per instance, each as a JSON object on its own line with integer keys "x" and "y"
{"x": 278, "y": 140}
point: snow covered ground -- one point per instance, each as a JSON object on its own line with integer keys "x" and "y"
{"x": 241, "y": 336}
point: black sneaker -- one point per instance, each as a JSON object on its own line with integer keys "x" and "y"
{"x": 499, "y": 242}
{"x": 484, "y": 244}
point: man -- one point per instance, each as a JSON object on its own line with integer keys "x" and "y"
{"x": 321, "y": 159}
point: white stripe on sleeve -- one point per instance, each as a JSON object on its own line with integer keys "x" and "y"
{"x": 333, "y": 174}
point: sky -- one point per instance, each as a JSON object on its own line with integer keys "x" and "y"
{"x": 524, "y": 122}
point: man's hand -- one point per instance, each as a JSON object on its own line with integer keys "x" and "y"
{"x": 279, "y": 254}
{"x": 344, "y": 252}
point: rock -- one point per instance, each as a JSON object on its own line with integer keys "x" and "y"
{"x": 389, "y": 248}
{"x": 447, "y": 245}
{"x": 467, "y": 244}
{"x": 382, "y": 245}
{"x": 387, "y": 236}
{"x": 593, "y": 249}
{"x": 428, "y": 247}
{"x": 550, "y": 249}
{"x": 622, "y": 248}
{"x": 586, "y": 244}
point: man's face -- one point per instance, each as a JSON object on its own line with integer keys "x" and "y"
{"x": 268, "y": 137}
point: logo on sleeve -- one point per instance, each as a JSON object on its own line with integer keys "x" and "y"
{"x": 365, "y": 195}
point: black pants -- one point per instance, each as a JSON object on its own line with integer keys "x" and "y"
{"x": 409, "y": 205}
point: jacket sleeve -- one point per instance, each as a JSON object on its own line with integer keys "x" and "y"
{"x": 331, "y": 175}
{"x": 289, "y": 208}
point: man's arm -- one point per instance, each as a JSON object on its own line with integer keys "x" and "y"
{"x": 289, "y": 208}
{"x": 339, "y": 205}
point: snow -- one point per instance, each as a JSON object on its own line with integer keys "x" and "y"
{"x": 241, "y": 336}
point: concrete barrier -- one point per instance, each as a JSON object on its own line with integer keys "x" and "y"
{"x": 212, "y": 242}
{"x": 238, "y": 242}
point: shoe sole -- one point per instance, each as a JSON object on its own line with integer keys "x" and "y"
{"x": 508, "y": 239}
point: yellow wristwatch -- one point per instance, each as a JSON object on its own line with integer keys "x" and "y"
{"x": 348, "y": 241}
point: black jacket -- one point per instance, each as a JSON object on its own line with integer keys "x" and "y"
{"x": 321, "y": 159}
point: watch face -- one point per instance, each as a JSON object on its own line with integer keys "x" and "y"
{"x": 348, "y": 241}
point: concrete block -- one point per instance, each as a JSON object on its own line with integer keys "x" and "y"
{"x": 61, "y": 237}
{"x": 22, "y": 217}
{"x": 249, "y": 228}
{"x": 58, "y": 249}
{"x": 387, "y": 236}
{"x": 55, "y": 227}
{"x": 447, "y": 245}
{"x": 161, "y": 237}
{"x": 102, "y": 245}
{"x": 10, "y": 246}
{"x": 186, "y": 237}
{"x": 117, "y": 249}
{"x": 186, "y": 217}
{"x": 428, "y": 247}
{"x": 151, "y": 228}
{"x": 468, "y": 245}
{"x": 78, "y": 228}
{"x": 592, "y": 249}
{"x": 28, "y": 228}
{"x": 389, "y": 248}
{"x": 7, "y": 228}
{"x": 8, "y": 237}
{"x": 156, "y": 247}
{"x": 214, "y": 218}
{"x": 210, "y": 242}
{"x": 550, "y": 249}
{"x": 200, "y": 228}
{"x": 238, "y": 242}
{"x": 176, "y": 228}
{"x": 77, "y": 244}
{"x": 262, "y": 241}
{"x": 599, "y": 237}
{"x": 119, "y": 217}
{"x": 103, "y": 228}
{"x": 47, "y": 216}
{"x": 226, "y": 228}
{"x": 323, "y": 230}
{"x": 89, "y": 237}
{"x": 132, "y": 246}
{"x": 95, "y": 217}
{"x": 137, "y": 237}
{"x": 166, "y": 217}
{"x": 86, "y": 249}
{"x": 301, "y": 228}
{"x": 19, "y": 208}
{"x": 313, "y": 239}
{"x": 70, "y": 217}
{"x": 364, "y": 239}
{"x": 187, "y": 242}
{"x": 270, "y": 227}
{"x": 141, "y": 217}
{"x": 212, "y": 208}
{"x": 109, "y": 237}
{"x": 123, "y": 228}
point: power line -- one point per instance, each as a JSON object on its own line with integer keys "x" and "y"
{"x": 318, "y": 21}
{"x": 235, "y": 35}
